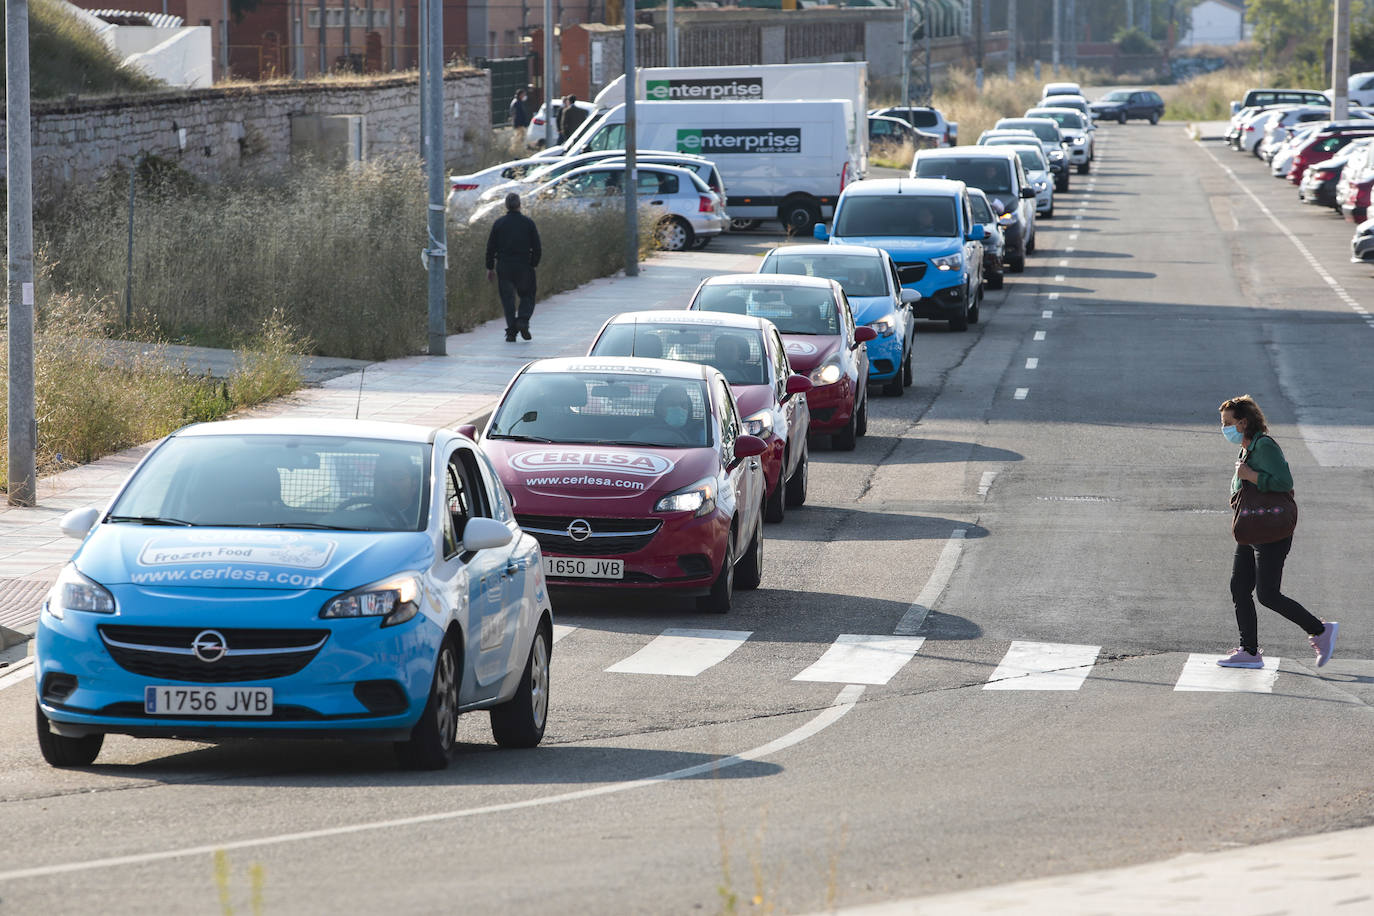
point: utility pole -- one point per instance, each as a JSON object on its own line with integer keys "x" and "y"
{"x": 979, "y": 30}
{"x": 436, "y": 255}
{"x": 22, "y": 427}
{"x": 324, "y": 47}
{"x": 224, "y": 39}
{"x": 548, "y": 75}
{"x": 930, "y": 90}
{"x": 422, "y": 52}
{"x": 298, "y": 39}
{"x": 1054, "y": 38}
{"x": 1071, "y": 21}
{"x": 672, "y": 36}
{"x": 1340, "y": 62}
{"x": 1011, "y": 39}
{"x": 631, "y": 180}
{"x": 906, "y": 53}
{"x": 348, "y": 32}
{"x": 1130, "y": 14}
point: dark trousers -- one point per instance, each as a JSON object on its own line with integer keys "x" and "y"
{"x": 513, "y": 281}
{"x": 1259, "y": 569}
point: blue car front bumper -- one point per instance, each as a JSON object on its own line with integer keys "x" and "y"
{"x": 362, "y": 681}
{"x": 885, "y": 356}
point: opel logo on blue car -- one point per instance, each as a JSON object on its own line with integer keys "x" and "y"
{"x": 210, "y": 646}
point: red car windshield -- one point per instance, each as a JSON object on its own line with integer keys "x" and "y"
{"x": 605, "y": 408}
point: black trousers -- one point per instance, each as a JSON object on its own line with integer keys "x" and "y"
{"x": 1258, "y": 569}
{"x": 512, "y": 282}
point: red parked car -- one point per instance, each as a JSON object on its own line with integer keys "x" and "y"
{"x": 1327, "y": 142}
{"x": 818, "y": 329}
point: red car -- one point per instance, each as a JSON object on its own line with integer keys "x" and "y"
{"x": 750, "y": 353}
{"x": 1327, "y": 142}
{"x": 818, "y": 329}
{"x": 633, "y": 474}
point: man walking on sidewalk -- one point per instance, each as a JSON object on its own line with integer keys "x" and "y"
{"x": 513, "y": 253}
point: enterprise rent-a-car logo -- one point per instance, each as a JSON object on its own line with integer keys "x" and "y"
{"x": 706, "y": 90}
{"x": 722, "y": 140}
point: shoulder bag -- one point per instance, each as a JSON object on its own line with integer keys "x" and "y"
{"x": 1259, "y": 516}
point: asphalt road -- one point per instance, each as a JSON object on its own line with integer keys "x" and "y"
{"x": 1053, "y": 489}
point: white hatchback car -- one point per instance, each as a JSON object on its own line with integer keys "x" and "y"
{"x": 686, "y": 212}
{"x": 465, "y": 191}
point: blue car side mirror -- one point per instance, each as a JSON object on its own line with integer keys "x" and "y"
{"x": 819, "y": 234}
{"x": 977, "y": 233}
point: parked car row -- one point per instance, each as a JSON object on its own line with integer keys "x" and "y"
{"x": 1330, "y": 162}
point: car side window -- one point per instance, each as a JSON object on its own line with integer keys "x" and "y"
{"x": 848, "y": 317}
{"x": 729, "y": 420}
{"x": 896, "y": 279}
{"x": 781, "y": 367}
{"x": 465, "y": 494}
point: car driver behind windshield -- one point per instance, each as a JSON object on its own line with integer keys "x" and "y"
{"x": 396, "y": 492}
{"x": 672, "y": 411}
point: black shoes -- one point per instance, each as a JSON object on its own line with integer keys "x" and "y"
{"x": 510, "y": 335}
{"x": 525, "y": 331}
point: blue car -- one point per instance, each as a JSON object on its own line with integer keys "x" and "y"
{"x": 259, "y": 578}
{"x": 926, "y": 225}
{"x": 876, "y": 296}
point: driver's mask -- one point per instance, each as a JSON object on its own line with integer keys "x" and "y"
{"x": 675, "y": 416}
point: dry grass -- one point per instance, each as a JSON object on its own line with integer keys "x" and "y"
{"x": 334, "y": 254}
{"x": 90, "y": 404}
{"x": 1208, "y": 97}
{"x": 67, "y": 58}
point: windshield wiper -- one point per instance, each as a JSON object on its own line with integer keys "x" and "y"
{"x": 312, "y": 525}
{"x": 151, "y": 520}
{"x": 518, "y": 437}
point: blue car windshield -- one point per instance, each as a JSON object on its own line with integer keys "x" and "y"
{"x": 859, "y": 275}
{"x": 281, "y": 482}
{"x": 737, "y": 352}
{"x": 913, "y": 215}
{"x": 620, "y": 407}
{"x": 794, "y": 309}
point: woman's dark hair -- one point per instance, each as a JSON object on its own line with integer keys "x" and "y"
{"x": 1245, "y": 408}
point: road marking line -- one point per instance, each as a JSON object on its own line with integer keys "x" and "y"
{"x": 560, "y": 630}
{"x": 1058, "y": 278}
{"x": 1202, "y": 673}
{"x": 1043, "y": 666}
{"x": 1039, "y": 335}
{"x": 1047, "y": 313}
{"x": 1021, "y": 393}
{"x": 1063, "y": 262}
{"x": 1053, "y": 296}
{"x": 682, "y": 652}
{"x": 854, "y": 659}
{"x": 1032, "y": 362}
{"x": 1073, "y": 237}
{"x": 1076, "y": 226}
{"x": 838, "y": 709}
{"x": 17, "y": 673}
{"x": 985, "y": 484}
{"x": 915, "y": 615}
{"x": 1311, "y": 259}
{"x": 1070, "y": 249}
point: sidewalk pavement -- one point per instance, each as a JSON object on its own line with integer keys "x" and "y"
{"x": 430, "y": 390}
{"x": 1327, "y": 873}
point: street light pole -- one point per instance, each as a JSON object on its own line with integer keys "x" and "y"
{"x": 22, "y": 426}
{"x": 1011, "y": 39}
{"x": 906, "y": 54}
{"x": 548, "y": 74}
{"x": 1340, "y": 62}
{"x": 631, "y": 180}
{"x": 436, "y": 254}
{"x": 1054, "y": 38}
{"x": 672, "y": 36}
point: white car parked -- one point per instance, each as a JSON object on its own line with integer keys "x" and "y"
{"x": 534, "y": 134}
{"x": 1360, "y": 89}
{"x": 465, "y": 191}
{"x": 685, "y": 210}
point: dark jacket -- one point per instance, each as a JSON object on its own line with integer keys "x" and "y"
{"x": 513, "y": 242}
{"x": 570, "y": 118}
{"x": 519, "y": 113}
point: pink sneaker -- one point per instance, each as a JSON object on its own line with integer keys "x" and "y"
{"x": 1239, "y": 658}
{"x": 1324, "y": 643}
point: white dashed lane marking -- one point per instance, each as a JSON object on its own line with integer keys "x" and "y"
{"x": 1021, "y": 394}
{"x": 1043, "y": 666}
{"x": 1202, "y": 673}
{"x": 1039, "y": 335}
{"x": 853, "y": 659}
{"x": 682, "y": 653}
{"x": 1032, "y": 362}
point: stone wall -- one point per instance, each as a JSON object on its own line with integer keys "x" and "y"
{"x": 219, "y": 133}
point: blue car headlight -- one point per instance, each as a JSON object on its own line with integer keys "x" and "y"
{"x": 75, "y": 592}
{"x": 395, "y": 600}
{"x": 885, "y": 326}
{"x": 949, "y": 262}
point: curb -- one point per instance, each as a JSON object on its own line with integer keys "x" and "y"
{"x": 10, "y": 638}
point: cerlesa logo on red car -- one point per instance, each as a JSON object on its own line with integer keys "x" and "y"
{"x": 644, "y": 464}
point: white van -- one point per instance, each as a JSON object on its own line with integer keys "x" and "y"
{"x": 786, "y": 160}
{"x": 767, "y": 82}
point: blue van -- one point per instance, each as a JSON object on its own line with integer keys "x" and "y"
{"x": 927, "y": 227}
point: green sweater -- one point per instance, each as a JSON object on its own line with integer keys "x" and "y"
{"x": 1265, "y": 456}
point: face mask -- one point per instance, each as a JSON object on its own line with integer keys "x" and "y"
{"x": 675, "y": 416}
{"x": 1232, "y": 435}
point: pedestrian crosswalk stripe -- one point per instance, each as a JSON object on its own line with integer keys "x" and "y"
{"x": 560, "y": 630}
{"x": 853, "y": 659}
{"x": 682, "y": 653}
{"x": 1043, "y": 666}
{"x": 1202, "y": 673}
